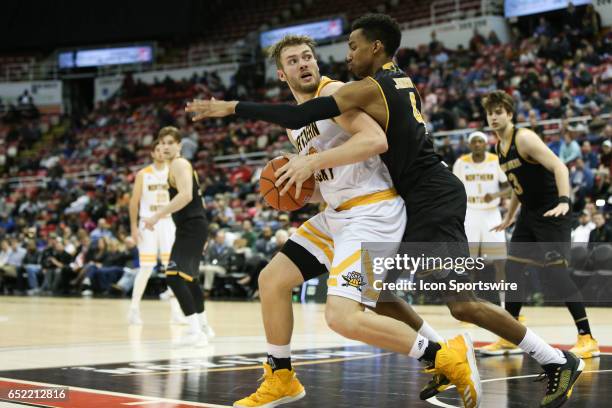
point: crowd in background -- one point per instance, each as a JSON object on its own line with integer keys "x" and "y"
{"x": 70, "y": 232}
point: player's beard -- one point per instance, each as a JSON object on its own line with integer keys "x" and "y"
{"x": 306, "y": 88}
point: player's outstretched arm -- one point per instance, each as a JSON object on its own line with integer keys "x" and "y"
{"x": 182, "y": 173}
{"x": 355, "y": 95}
{"x": 531, "y": 147}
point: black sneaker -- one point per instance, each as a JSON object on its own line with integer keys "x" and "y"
{"x": 438, "y": 383}
{"x": 561, "y": 380}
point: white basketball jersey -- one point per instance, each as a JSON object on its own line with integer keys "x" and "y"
{"x": 480, "y": 179}
{"x": 155, "y": 193}
{"x": 343, "y": 183}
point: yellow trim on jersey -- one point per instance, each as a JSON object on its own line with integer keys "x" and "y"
{"x": 332, "y": 282}
{"x": 323, "y": 83}
{"x": 181, "y": 274}
{"x": 348, "y": 261}
{"x": 367, "y": 199}
{"x": 384, "y": 99}
{"x": 491, "y": 158}
{"x": 318, "y": 233}
{"x": 148, "y": 169}
{"x": 317, "y": 242}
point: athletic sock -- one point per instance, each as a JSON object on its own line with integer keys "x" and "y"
{"x": 418, "y": 347}
{"x": 428, "y": 332}
{"x": 279, "y": 357}
{"x": 581, "y": 320}
{"x": 541, "y": 351}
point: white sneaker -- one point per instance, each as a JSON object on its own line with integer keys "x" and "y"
{"x": 165, "y": 296}
{"x": 210, "y": 333}
{"x": 87, "y": 293}
{"x": 198, "y": 339}
{"x": 134, "y": 317}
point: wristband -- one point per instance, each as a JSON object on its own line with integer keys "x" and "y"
{"x": 565, "y": 199}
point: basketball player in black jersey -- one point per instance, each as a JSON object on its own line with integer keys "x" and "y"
{"x": 191, "y": 232}
{"x": 435, "y": 198}
{"x": 541, "y": 187}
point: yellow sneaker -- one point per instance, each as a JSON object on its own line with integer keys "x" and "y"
{"x": 457, "y": 362}
{"x": 499, "y": 348}
{"x": 586, "y": 347}
{"x": 278, "y": 387}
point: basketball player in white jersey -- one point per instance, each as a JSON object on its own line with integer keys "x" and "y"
{"x": 150, "y": 193}
{"x": 485, "y": 183}
{"x": 362, "y": 206}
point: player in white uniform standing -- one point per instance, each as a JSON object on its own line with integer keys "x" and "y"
{"x": 362, "y": 206}
{"x": 485, "y": 182}
{"x": 150, "y": 193}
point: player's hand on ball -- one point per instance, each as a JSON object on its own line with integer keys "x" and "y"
{"x": 210, "y": 108}
{"x": 488, "y": 198}
{"x": 297, "y": 170}
{"x": 560, "y": 210}
{"x": 150, "y": 222}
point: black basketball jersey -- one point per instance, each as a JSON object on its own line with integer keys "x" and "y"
{"x": 533, "y": 184}
{"x": 195, "y": 208}
{"x": 411, "y": 149}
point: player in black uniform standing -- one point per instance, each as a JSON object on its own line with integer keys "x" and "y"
{"x": 191, "y": 233}
{"x": 435, "y": 198}
{"x": 540, "y": 185}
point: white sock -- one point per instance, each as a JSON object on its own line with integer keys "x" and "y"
{"x": 428, "y": 332}
{"x": 194, "y": 323}
{"x": 543, "y": 353}
{"x": 419, "y": 346}
{"x": 140, "y": 284}
{"x": 203, "y": 319}
{"x": 279, "y": 351}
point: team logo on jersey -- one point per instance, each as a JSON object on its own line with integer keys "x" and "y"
{"x": 354, "y": 279}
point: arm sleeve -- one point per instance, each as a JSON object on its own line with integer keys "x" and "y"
{"x": 290, "y": 116}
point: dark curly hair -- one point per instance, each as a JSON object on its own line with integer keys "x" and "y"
{"x": 380, "y": 27}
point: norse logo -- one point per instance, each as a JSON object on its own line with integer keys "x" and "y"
{"x": 354, "y": 279}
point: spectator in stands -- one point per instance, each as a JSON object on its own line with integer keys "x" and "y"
{"x": 605, "y": 158}
{"x": 582, "y": 180}
{"x": 476, "y": 41}
{"x": 280, "y": 237}
{"x": 570, "y": 149}
{"x": 248, "y": 234}
{"x": 601, "y": 233}
{"x": 14, "y": 261}
{"x": 216, "y": 261}
{"x": 589, "y": 156}
{"x": 57, "y": 273}
{"x": 32, "y": 263}
{"x": 101, "y": 231}
{"x": 190, "y": 146}
{"x": 493, "y": 39}
{"x": 582, "y": 232}
{"x": 93, "y": 259}
{"x": 261, "y": 244}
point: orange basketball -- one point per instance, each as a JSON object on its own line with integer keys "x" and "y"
{"x": 271, "y": 193}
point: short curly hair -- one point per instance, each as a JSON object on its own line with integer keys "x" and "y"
{"x": 289, "y": 41}
{"x": 380, "y": 27}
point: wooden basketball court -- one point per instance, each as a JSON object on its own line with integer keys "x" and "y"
{"x": 87, "y": 346}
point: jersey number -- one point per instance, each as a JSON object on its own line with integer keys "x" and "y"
{"x": 407, "y": 85}
{"x": 515, "y": 184}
